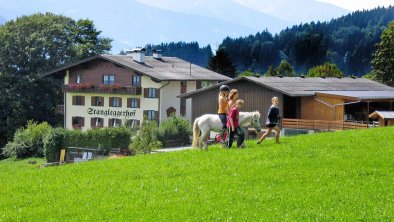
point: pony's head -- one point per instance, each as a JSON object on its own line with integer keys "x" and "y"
{"x": 255, "y": 121}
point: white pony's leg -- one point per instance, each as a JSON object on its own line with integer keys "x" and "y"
{"x": 204, "y": 138}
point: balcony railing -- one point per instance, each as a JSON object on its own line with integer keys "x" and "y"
{"x": 129, "y": 90}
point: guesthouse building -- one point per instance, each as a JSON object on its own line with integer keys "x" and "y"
{"x": 113, "y": 90}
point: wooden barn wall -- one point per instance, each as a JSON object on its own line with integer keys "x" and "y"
{"x": 314, "y": 110}
{"x": 256, "y": 98}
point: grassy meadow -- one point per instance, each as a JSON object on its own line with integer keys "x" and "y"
{"x": 341, "y": 176}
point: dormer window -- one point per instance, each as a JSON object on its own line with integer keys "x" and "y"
{"x": 136, "y": 81}
{"x": 108, "y": 79}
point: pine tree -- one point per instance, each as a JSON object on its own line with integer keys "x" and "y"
{"x": 383, "y": 61}
{"x": 221, "y": 63}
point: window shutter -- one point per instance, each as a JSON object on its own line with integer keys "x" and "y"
{"x": 74, "y": 100}
{"x": 138, "y": 103}
{"x": 92, "y": 122}
{"x": 83, "y": 100}
{"x": 111, "y": 101}
{"x": 93, "y": 101}
{"x": 82, "y": 121}
{"x": 157, "y": 116}
{"x": 157, "y": 91}
{"x": 145, "y": 92}
{"x": 145, "y": 114}
{"x": 128, "y": 102}
{"x": 120, "y": 101}
{"x": 110, "y": 123}
{"x": 102, "y": 101}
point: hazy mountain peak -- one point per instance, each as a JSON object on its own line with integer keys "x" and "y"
{"x": 226, "y": 10}
{"x": 296, "y": 11}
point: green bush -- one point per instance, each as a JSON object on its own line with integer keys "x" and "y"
{"x": 174, "y": 128}
{"x": 101, "y": 139}
{"x": 104, "y": 139}
{"x": 55, "y": 141}
{"x": 146, "y": 140}
{"x": 28, "y": 142}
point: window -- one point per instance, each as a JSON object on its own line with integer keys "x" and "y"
{"x": 97, "y": 101}
{"x": 136, "y": 81}
{"x": 114, "y": 123}
{"x": 133, "y": 103}
{"x": 109, "y": 79}
{"x": 151, "y": 93}
{"x": 78, "y": 122}
{"x": 183, "y": 87}
{"x": 183, "y": 107}
{"x": 115, "y": 102}
{"x": 78, "y": 100}
{"x": 151, "y": 114}
{"x": 97, "y": 122}
{"x": 132, "y": 123}
{"x": 78, "y": 78}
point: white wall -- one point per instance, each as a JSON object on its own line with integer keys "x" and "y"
{"x": 191, "y": 86}
{"x": 82, "y": 111}
{"x": 168, "y": 98}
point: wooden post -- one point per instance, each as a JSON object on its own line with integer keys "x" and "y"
{"x": 62, "y": 154}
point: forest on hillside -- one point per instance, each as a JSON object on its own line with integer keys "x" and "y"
{"x": 188, "y": 51}
{"x": 348, "y": 42}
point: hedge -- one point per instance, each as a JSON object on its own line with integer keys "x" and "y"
{"x": 102, "y": 139}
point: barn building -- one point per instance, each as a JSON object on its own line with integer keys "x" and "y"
{"x": 335, "y": 100}
{"x": 112, "y": 90}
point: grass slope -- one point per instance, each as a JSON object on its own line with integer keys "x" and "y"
{"x": 342, "y": 176}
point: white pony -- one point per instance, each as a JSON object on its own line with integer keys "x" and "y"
{"x": 211, "y": 122}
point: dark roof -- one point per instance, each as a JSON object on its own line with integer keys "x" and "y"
{"x": 361, "y": 95}
{"x": 165, "y": 68}
{"x": 382, "y": 114}
{"x": 297, "y": 86}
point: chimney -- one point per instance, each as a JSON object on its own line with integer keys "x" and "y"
{"x": 138, "y": 54}
{"x": 157, "y": 54}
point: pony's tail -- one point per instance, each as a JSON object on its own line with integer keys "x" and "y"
{"x": 196, "y": 133}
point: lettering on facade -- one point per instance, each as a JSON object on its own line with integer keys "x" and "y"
{"x": 111, "y": 113}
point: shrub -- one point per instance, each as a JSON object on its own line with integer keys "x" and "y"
{"x": 54, "y": 142}
{"x": 104, "y": 139}
{"x": 175, "y": 128}
{"x": 28, "y": 142}
{"x": 146, "y": 140}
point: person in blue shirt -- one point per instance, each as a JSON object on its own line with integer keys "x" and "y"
{"x": 273, "y": 118}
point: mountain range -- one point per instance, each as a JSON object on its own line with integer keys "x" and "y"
{"x": 140, "y": 22}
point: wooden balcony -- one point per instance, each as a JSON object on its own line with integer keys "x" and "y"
{"x": 322, "y": 125}
{"x": 107, "y": 89}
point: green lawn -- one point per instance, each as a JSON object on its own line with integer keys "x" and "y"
{"x": 342, "y": 176}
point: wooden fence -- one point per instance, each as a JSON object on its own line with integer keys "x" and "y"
{"x": 321, "y": 124}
